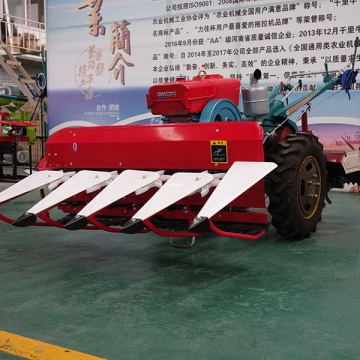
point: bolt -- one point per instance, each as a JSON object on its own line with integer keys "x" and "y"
{"x": 55, "y": 154}
{"x": 71, "y": 163}
{"x": 217, "y": 130}
{"x": 216, "y": 164}
{"x": 120, "y": 164}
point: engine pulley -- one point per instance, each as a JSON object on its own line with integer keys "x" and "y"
{"x": 220, "y": 110}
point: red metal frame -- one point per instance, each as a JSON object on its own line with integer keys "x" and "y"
{"x": 14, "y": 138}
{"x": 180, "y": 146}
{"x": 234, "y": 235}
{"x": 175, "y": 147}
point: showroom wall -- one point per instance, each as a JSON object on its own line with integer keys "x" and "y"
{"x": 103, "y": 55}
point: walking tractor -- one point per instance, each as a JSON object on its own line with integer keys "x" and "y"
{"x": 207, "y": 166}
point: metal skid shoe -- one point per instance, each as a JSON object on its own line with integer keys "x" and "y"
{"x": 127, "y": 182}
{"x": 200, "y": 224}
{"x": 82, "y": 181}
{"x": 240, "y": 177}
{"x": 176, "y": 188}
{"x": 25, "y": 219}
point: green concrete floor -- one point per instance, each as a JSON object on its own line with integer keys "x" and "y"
{"x": 136, "y": 297}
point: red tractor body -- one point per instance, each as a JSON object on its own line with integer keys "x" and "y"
{"x": 180, "y": 99}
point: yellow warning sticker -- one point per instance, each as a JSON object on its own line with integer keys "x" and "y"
{"x": 218, "y": 150}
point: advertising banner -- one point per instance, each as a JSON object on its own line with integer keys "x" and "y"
{"x": 103, "y": 55}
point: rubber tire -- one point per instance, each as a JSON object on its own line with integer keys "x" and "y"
{"x": 21, "y": 157}
{"x": 287, "y": 185}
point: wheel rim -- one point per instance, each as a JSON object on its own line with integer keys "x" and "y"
{"x": 309, "y": 187}
{"x": 280, "y": 135}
